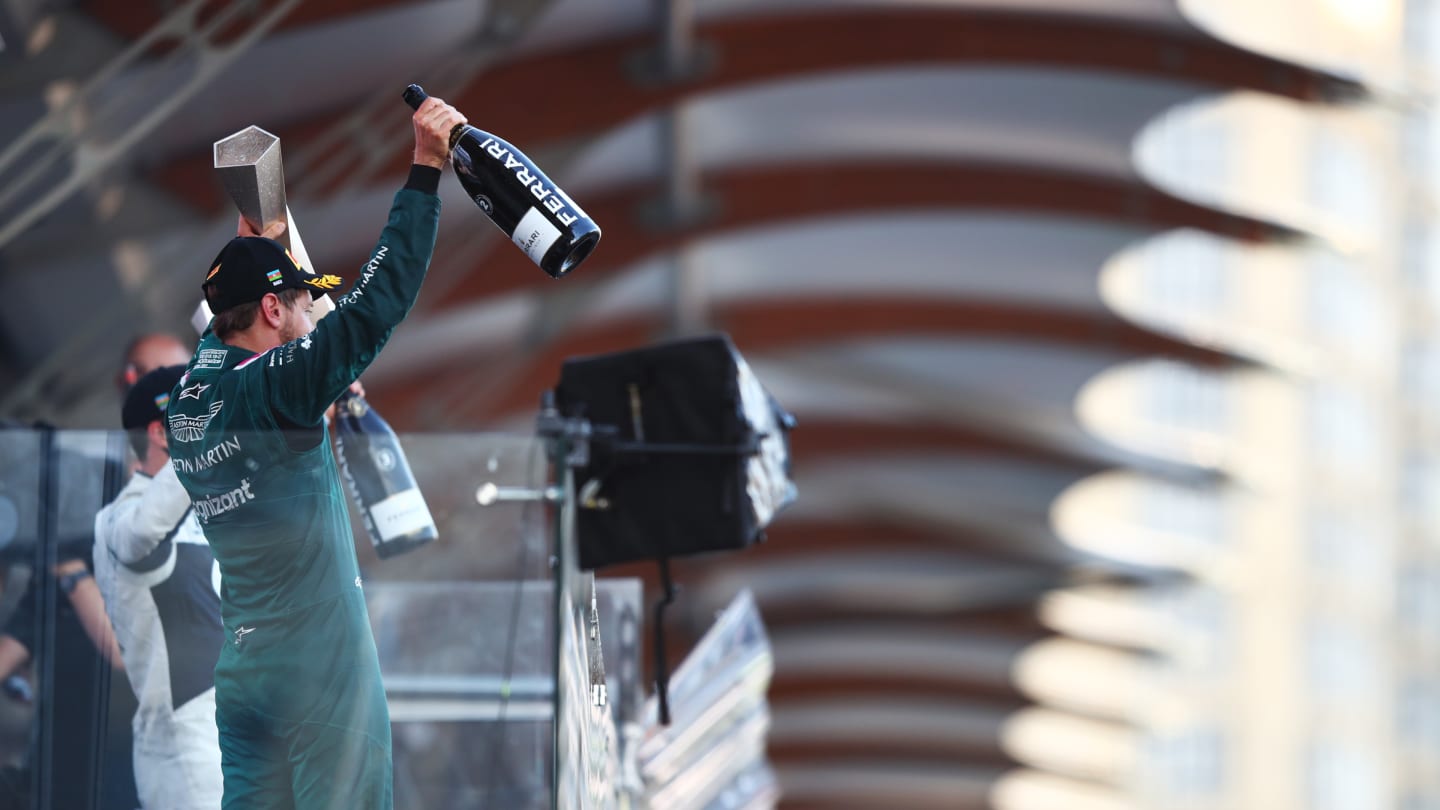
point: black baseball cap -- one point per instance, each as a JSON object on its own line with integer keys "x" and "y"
{"x": 148, "y": 398}
{"x": 250, "y": 266}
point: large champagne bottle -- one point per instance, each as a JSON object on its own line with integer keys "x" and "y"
{"x": 379, "y": 478}
{"x": 534, "y": 212}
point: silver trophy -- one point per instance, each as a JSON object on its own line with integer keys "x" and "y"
{"x": 251, "y": 170}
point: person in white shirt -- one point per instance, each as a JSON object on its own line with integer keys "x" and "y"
{"x": 161, "y": 590}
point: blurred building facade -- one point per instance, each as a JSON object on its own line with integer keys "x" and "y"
{"x": 1110, "y": 326}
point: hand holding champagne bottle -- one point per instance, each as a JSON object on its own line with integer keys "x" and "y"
{"x": 510, "y": 189}
{"x": 430, "y": 149}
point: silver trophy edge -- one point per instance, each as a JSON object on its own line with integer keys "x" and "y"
{"x": 251, "y": 169}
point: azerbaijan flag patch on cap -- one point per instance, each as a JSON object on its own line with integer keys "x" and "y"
{"x": 274, "y": 276}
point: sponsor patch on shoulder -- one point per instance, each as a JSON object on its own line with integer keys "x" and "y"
{"x": 211, "y": 358}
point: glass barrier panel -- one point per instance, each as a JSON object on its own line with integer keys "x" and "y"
{"x": 463, "y": 625}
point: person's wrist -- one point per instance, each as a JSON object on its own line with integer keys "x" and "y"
{"x": 69, "y": 582}
{"x": 69, "y": 567}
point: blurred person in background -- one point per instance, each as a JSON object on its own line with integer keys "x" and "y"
{"x": 144, "y": 353}
{"x": 83, "y": 730}
{"x": 161, "y": 590}
{"x": 82, "y": 599}
{"x": 147, "y": 352}
{"x": 85, "y": 710}
{"x": 300, "y": 705}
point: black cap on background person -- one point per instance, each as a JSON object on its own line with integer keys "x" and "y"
{"x": 145, "y": 405}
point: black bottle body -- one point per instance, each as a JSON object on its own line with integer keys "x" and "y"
{"x": 537, "y": 215}
{"x": 380, "y": 481}
{"x": 534, "y": 212}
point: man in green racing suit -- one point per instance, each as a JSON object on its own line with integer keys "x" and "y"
{"x": 299, "y": 703}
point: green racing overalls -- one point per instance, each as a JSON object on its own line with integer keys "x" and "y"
{"x": 299, "y": 702}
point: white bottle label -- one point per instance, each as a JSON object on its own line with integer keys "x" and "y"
{"x": 535, "y": 234}
{"x": 400, "y": 514}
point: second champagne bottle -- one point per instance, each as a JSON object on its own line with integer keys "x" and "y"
{"x": 532, "y": 210}
{"x": 384, "y": 489}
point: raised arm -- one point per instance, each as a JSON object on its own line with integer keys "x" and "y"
{"x": 303, "y": 377}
